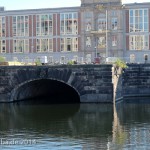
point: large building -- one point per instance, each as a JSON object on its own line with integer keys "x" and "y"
{"x": 98, "y": 28}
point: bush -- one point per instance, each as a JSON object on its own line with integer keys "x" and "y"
{"x": 120, "y": 63}
{"x": 2, "y": 59}
{"x": 38, "y": 62}
{"x": 70, "y": 62}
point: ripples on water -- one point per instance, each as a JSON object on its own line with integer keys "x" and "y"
{"x": 75, "y": 127}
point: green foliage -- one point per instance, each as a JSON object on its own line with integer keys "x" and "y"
{"x": 120, "y": 63}
{"x": 70, "y": 62}
{"x": 2, "y": 59}
{"x": 38, "y": 62}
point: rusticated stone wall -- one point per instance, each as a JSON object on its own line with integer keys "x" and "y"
{"x": 93, "y": 83}
{"x": 136, "y": 81}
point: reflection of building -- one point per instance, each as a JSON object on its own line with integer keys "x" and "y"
{"x": 115, "y": 30}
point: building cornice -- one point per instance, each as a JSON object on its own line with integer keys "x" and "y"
{"x": 38, "y": 11}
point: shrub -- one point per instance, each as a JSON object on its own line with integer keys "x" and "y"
{"x": 120, "y": 63}
{"x": 2, "y": 59}
{"x": 70, "y": 62}
{"x": 38, "y": 62}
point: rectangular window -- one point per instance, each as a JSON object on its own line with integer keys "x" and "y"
{"x": 101, "y": 42}
{"x": 114, "y": 13}
{"x": 88, "y": 15}
{"x": 138, "y": 42}
{"x": 114, "y": 23}
{"x": 101, "y": 24}
{"x": 69, "y": 44}
{"x": 20, "y": 26}
{"x": 44, "y": 45}
{"x": 69, "y": 23}
{"x": 114, "y": 40}
{"x": 138, "y": 20}
{"x": 20, "y": 45}
{"x": 44, "y": 24}
{"x": 2, "y": 26}
{"x": 3, "y": 46}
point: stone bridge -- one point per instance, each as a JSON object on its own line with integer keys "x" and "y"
{"x": 83, "y": 83}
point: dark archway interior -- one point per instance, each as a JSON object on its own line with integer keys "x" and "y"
{"x": 47, "y": 91}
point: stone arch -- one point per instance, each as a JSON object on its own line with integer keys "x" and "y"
{"x": 31, "y": 88}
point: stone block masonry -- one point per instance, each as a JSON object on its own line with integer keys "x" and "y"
{"x": 93, "y": 83}
{"x": 136, "y": 81}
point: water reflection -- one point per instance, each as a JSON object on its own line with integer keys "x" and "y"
{"x": 67, "y": 126}
{"x": 131, "y": 127}
{"x": 77, "y": 126}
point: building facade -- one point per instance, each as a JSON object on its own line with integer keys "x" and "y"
{"x": 98, "y": 28}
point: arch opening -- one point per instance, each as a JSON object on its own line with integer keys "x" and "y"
{"x": 46, "y": 91}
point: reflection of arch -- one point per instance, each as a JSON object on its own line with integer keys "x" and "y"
{"x": 55, "y": 90}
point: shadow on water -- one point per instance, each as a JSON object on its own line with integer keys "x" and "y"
{"x": 73, "y": 120}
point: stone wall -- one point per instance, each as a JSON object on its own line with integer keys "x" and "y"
{"x": 93, "y": 83}
{"x": 136, "y": 81}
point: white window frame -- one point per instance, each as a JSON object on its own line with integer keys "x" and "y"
{"x": 18, "y": 33}
{"x": 64, "y": 28}
{"x": 40, "y": 27}
{"x": 48, "y": 45}
{"x": 133, "y": 43}
{"x": 25, "y": 46}
{"x": 133, "y": 29}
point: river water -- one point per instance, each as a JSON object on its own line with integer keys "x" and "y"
{"x": 75, "y": 127}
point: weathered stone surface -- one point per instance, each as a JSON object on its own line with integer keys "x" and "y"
{"x": 93, "y": 83}
{"x": 134, "y": 82}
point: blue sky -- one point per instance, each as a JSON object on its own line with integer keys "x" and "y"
{"x": 33, "y": 4}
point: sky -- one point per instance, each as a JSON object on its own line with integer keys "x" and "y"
{"x": 35, "y": 4}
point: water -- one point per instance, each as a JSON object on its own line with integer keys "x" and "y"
{"x": 75, "y": 127}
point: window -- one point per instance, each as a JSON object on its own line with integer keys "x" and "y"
{"x": 62, "y": 60}
{"x": 88, "y": 21}
{"x": 69, "y": 23}
{"x": 2, "y": 26}
{"x": 138, "y": 42}
{"x": 132, "y": 58}
{"x": 114, "y": 40}
{"x": 114, "y": 13}
{"x": 44, "y": 24}
{"x": 20, "y": 46}
{"x": 88, "y": 41}
{"x": 69, "y": 44}
{"x": 88, "y": 26}
{"x": 3, "y": 46}
{"x": 44, "y": 45}
{"x": 101, "y": 42}
{"x": 20, "y": 26}
{"x": 138, "y": 20}
{"x": 50, "y": 59}
{"x": 101, "y": 24}
{"x": 88, "y": 14}
{"x": 114, "y": 23}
